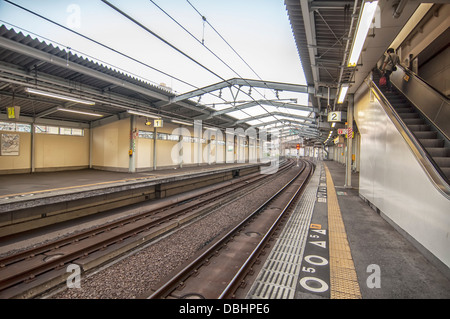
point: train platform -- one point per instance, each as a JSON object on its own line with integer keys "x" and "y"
{"x": 29, "y": 201}
{"x": 335, "y": 246}
{"x": 15, "y": 186}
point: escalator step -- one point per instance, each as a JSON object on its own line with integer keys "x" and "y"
{"x": 404, "y": 110}
{"x": 425, "y": 134}
{"x": 438, "y": 151}
{"x": 409, "y": 115}
{"x": 414, "y": 121}
{"x": 446, "y": 171}
{"x": 432, "y": 142}
{"x": 442, "y": 161}
{"x": 419, "y": 127}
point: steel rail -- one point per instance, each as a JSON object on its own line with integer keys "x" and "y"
{"x": 165, "y": 289}
{"x": 107, "y": 236}
{"x": 236, "y": 281}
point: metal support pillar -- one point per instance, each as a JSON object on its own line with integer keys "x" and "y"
{"x": 33, "y": 147}
{"x": 154, "y": 148}
{"x": 348, "y": 162}
{"x": 198, "y": 142}
{"x": 132, "y": 151}
{"x": 91, "y": 144}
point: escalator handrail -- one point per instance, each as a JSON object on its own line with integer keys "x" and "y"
{"x": 425, "y": 160}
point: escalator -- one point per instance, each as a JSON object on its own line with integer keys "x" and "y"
{"x": 432, "y": 138}
{"x": 404, "y": 159}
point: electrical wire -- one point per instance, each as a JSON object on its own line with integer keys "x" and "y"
{"x": 98, "y": 43}
{"x": 204, "y": 19}
{"x": 240, "y": 57}
{"x": 171, "y": 45}
{"x": 104, "y": 45}
{"x": 161, "y": 38}
{"x": 193, "y": 36}
{"x": 202, "y": 42}
{"x": 153, "y": 33}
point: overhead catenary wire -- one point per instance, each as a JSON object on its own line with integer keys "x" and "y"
{"x": 171, "y": 45}
{"x": 103, "y": 45}
{"x": 161, "y": 38}
{"x": 204, "y": 19}
{"x": 121, "y": 53}
{"x": 231, "y": 47}
{"x": 201, "y": 42}
{"x": 98, "y": 43}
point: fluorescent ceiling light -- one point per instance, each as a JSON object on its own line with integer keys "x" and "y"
{"x": 143, "y": 114}
{"x": 342, "y": 93}
{"x": 365, "y": 20}
{"x": 181, "y": 122}
{"x": 58, "y": 96}
{"x": 79, "y": 112}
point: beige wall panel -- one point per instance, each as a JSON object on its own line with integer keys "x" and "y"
{"x": 144, "y": 153}
{"x": 111, "y": 147}
{"x": 163, "y": 151}
{"x": 54, "y": 151}
{"x": 111, "y": 144}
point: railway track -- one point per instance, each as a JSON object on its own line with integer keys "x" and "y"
{"x": 91, "y": 248}
{"x": 220, "y": 270}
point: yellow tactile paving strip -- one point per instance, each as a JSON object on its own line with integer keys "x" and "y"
{"x": 343, "y": 280}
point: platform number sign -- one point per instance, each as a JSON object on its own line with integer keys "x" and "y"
{"x": 334, "y": 116}
{"x": 158, "y": 123}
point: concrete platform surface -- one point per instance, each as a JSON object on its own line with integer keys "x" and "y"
{"x": 23, "y": 184}
{"x": 380, "y": 250}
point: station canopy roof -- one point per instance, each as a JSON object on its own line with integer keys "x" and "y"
{"x": 86, "y": 93}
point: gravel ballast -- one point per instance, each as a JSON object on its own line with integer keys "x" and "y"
{"x": 135, "y": 275}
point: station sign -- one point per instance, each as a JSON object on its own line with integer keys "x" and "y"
{"x": 334, "y": 116}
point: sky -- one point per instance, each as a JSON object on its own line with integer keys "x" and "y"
{"x": 259, "y": 30}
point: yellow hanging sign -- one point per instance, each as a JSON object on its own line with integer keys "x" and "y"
{"x": 11, "y": 113}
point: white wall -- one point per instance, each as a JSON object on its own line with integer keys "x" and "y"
{"x": 392, "y": 179}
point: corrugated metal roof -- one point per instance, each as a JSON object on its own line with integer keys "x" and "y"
{"x": 18, "y": 70}
{"x": 21, "y": 60}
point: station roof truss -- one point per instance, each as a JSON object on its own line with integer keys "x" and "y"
{"x": 324, "y": 33}
{"x": 258, "y": 113}
{"x": 27, "y": 62}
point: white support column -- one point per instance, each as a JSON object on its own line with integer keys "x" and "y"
{"x": 154, "y": 148}
{"x": 348, "y": 162}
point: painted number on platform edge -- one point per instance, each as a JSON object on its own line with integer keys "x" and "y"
{"x": 315, "y": 268}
